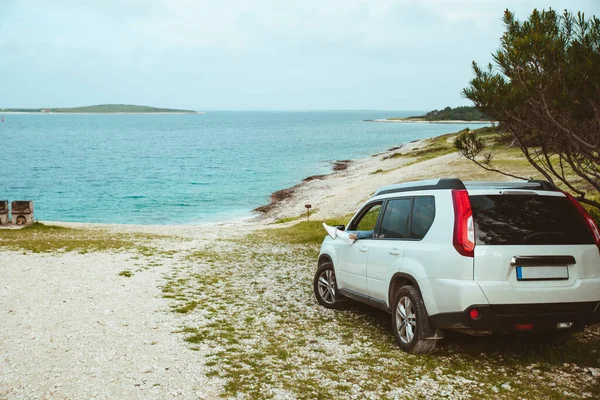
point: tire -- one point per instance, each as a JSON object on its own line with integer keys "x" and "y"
{"x": 325, "y": 287}
{"x": 410, "y": 322}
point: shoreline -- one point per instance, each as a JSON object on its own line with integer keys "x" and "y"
{"x": 339, "y": 192}
{"x": 288, "y": 202}
{"x": 420, "y": 121}
{"x": 424, "y": 121}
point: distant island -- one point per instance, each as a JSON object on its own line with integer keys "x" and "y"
{"x": 102, "y": 109}
{"x": 463, "y": 113}
{"x": 448, "y": 116}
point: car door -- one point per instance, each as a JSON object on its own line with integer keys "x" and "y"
{"x": 352, "y": 258}
{"x": 387, "y": 249}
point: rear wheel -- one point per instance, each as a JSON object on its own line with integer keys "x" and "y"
{"x": 325, "y": 286}
{"x": 410, "y": 322}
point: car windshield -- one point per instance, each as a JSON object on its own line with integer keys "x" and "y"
{"x": 527, "y": 219}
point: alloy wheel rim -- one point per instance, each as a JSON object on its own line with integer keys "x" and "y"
{"x": 326, "y": 286}
{"x": 406, "y": 320}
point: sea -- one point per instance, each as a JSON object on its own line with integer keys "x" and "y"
{"x": 162, "y": 169}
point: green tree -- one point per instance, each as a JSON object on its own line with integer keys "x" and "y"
{"x": 544, "y": 90}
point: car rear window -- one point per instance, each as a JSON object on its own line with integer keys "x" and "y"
{"x": 527, "y": 219}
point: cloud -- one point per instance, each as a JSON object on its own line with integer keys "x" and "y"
{"x": 238, "y": 25}
{"x": 298, "y": 52}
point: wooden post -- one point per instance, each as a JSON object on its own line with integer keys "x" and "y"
{"x": 308, "y": 207}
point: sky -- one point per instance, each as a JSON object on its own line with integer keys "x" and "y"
{"x": 251, "y": 54}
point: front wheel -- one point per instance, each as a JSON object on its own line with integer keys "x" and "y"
{"x": 410, "y": 321}
{"x": 325, "y": 287}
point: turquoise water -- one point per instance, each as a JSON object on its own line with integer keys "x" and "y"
{"x": 180, "y": 169}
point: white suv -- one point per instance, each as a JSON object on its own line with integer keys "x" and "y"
{"x": 476, "y": 257}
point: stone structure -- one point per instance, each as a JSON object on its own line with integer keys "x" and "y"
{"x": 22, "y": 212}
{"x": 3, "y": 212}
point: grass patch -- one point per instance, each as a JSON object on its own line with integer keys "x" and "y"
{"x": 206, "y": 255}
{"x": 305, "y": 232}
{"x": 436, "y": 147}
{"x": 40, "y": 238}
{"x": 187, "y": 308}
{"x": 288, "y": 219}
{"x": 432, "y": 148}
{"x": 432, "y": 151}
{"x": 304, "y": 215}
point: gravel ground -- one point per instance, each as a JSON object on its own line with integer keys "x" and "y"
{"x": 72, "y": 328}
{"x": 236, "y": 317}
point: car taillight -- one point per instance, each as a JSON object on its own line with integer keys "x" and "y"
{"x": 474, "y": 313}
{"x": 464, "y": 231}
{"x": 591, "y": 224}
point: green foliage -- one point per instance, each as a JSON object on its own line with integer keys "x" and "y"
{"x": 469, "y": 144}
{"x": 463, "y": 113}
{"x": 545, "y": 91}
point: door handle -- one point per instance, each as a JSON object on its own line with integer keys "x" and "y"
{"x": 395, "y": 252}
{"x": 363, "y": 249}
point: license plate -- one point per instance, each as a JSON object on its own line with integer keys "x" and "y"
{"x": 542, "y": 273}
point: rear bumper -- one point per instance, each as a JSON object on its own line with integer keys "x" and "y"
{"x": 507, "y": 317}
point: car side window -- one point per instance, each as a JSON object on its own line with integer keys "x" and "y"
{"x": 394, "y": 224}
{"x": 423, "y": 216}
{"x": 368, "y": 219}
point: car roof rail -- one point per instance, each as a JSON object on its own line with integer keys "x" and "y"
{"x": 545, "y": 185}
{"x": 429, "y": 184}
{"x": 529, "y": 184}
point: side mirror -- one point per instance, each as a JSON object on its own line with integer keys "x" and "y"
{"x": 341, "y": 227}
